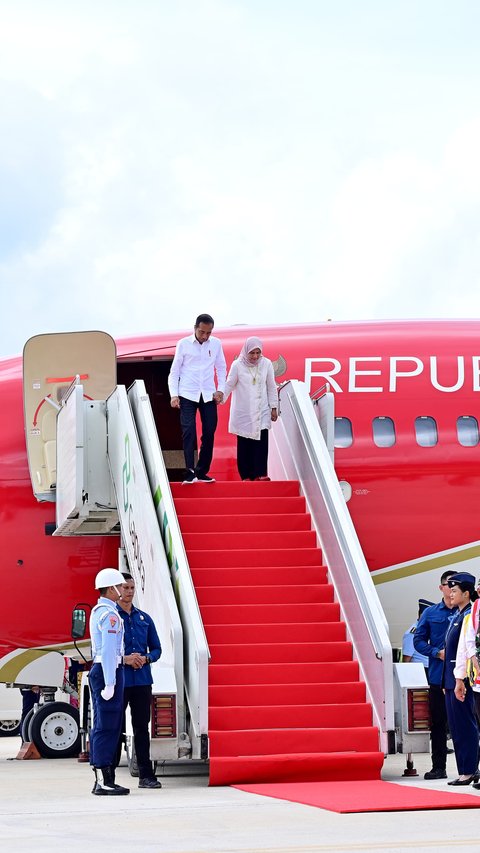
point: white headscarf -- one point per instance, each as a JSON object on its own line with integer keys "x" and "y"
{"x": 251, "y": 343}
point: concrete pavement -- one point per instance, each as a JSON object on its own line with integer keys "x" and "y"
{"x": 47, "y": 805}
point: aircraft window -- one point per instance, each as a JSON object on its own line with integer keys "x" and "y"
{"x": 343, "y": 433}
{"x": 426, "y": 431}
{"x": 383, "y": 432}
{"x": 467, "y": 431}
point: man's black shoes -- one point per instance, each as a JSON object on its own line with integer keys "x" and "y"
{"x": 149, "y": 783}
{"x": 436, "y": 774}
{"x": 193, "y": 477}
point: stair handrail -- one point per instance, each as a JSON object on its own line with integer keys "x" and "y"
{"x": 319, "y": 393}
{"x": 196, "y": 650}
{"x": 299, "y": 452}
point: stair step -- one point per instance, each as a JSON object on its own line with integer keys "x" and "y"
{"x": 292, "y": 594}
{"x": 306, "y": 740}
{"x": 237, "y": 489}
{"x": 265, "y": 576}
{"x": 289, "y": 716}
{"x": 286, "y": 632}
{"x": 236, "y": 506}
{"x": 261, "y": 539}
{"x": 283, "y": 673}
{"x": 319, "y": 693}
{"x": 238, "y": 653}
{"x": 303, "y": 767}
{"x": 231, "y": 614}
{"x": 267, "y": 557}
{"x": 244, "y": 523}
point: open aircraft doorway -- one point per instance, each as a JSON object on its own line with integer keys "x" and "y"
{"x": 155, "y": 376}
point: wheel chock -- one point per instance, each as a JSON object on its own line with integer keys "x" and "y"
{"x": 27, "y": 751}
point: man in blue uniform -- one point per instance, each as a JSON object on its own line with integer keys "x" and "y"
{"x": 429, "y": 640}
{"x": 409, "y": 652}
{"x": 106, "y": 682}
{"x": 142, "y": 647}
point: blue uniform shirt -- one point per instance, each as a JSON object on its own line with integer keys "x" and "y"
{"x": 106, "y": 632}
{"x": 429, "y": 638}
{"x": 409, "y": 649}
{"x": 140, "y": 636}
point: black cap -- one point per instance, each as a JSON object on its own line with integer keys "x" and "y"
{"x": 423, "y": 603}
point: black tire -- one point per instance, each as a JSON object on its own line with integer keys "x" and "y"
{"x": 131, "y": 755}
{"x": 25, "y": 729}
{"x": 55, "y": 730}
{"x": 9, "y": 728}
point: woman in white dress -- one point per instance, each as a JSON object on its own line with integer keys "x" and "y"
{"x": 251, "y": 382}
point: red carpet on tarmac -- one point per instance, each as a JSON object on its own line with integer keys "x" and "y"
{"x": 368, "y": 796}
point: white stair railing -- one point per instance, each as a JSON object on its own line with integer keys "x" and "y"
{"x": 299, "y": 452}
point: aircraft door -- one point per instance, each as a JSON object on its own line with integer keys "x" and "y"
{"x": 155, "y": 376}
{"x": 50, "y": 364}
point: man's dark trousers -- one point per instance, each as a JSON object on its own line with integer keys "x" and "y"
{"x": 209, "y": 418}
{"x": 139, "y": 698}
{"x": 438, "y": 719}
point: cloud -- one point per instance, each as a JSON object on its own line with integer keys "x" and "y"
{"x": 208, "y": 156}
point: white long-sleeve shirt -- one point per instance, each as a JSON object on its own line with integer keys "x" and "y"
{"x": 193, "y": 369}
{"x": 254, "y": 395}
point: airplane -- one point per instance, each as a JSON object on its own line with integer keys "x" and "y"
{"x": 406, "y": 453}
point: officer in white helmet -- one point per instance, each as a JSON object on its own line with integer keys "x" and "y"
{"x": 106, "y": 681}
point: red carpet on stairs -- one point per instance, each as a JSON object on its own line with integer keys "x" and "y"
{"x": 285, "y": 700}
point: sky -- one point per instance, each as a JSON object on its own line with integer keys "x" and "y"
{"x": 265, "y": 161}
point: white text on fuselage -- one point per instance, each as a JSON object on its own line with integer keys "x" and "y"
{"x": 394, "y": 372}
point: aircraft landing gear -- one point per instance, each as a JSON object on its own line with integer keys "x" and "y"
{"x": 54, "y": 729}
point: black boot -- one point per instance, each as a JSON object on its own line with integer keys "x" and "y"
{"x": 105, "y": 785}
{"x": 122, "y": 789}
{"x": 97, "y": 784}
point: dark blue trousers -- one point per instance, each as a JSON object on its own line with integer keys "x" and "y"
{"x": 107, "y": 718}
{"x": 464, "y": 731}
{"x": 140, "y": 698}
{"x": 188, "y": 422}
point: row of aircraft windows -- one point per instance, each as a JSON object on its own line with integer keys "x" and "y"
{"x": 426, "y": 432}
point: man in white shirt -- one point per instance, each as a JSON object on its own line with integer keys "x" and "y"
{"x": 191, "y": 383}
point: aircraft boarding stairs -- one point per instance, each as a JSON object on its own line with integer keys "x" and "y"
{"x": 287, "y": 698}
{"x": 299, "y": 685}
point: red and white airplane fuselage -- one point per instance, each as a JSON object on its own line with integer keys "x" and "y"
{"x": 406, "y": 402}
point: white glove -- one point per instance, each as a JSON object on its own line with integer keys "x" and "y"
{"x": 107, "y": 692}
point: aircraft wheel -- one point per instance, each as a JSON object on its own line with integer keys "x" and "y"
{"x": 8, "y": 728}
{"x": 55, "y": 730}
{"x": 131, "y": 755}
{"x": 25, "y": 730}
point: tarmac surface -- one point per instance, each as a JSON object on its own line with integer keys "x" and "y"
{"x": 47, "y": 805}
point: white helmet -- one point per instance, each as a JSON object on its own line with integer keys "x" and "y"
{"x": 108, "y": 577}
